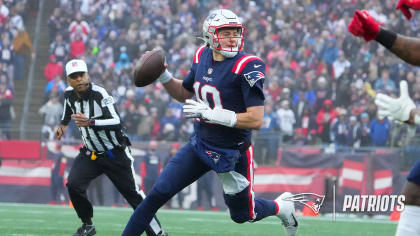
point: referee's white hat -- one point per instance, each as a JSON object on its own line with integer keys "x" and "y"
{"x": 75, "y": 65}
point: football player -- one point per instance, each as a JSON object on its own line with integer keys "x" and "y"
{"x": 229, "y": 102}
{"x": 402, "y": 108}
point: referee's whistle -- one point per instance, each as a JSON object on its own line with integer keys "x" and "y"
{"x": 93, "y": 156}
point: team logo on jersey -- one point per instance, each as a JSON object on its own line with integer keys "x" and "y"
{"x": 209, "y": 71}
{"x": 311, "y": 200}
{"x": 207, "y": 79}
{"x": 213, "y": 155}
{"x": 253, "y": 76}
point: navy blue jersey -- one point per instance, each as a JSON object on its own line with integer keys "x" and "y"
{"x": 233, "y": 84}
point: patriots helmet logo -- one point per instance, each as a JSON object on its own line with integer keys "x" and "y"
{"x": 211, "y": 16}
{"x": 311, "y": 200}
{"x": 253, "y": 76}
{"x": 213, "y": 155}
{"x": 74, "y": 64}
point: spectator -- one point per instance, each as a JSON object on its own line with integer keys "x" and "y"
{"x": 286, "y": 119}
{"x": 4, "y": 13}
{"x": 6, "y": 98}
{"x": 55, "y": 87}
{"x": 22, "y": 46}
{"x": 55, "y": 24}
{"x": 205, "y": 188}
{"x": 180, "y": 196}
{"x": 53, "y": 68}
{"x": 379, "y": 131}
{"x": 266, "y": 141}
{"x": 385, "y": 83}
{"x": 77, "y": 47}
{"x": 299, "y": 138}
{"x": 304, "y": 93}
{"x": 354, "y": 137}
{"x": 365, "y": 139}
{"x": 146, "y": 122}
{"x": 339, "y": 130}
{"x": 324, "y": 118}
{"x": 60, "y": 49}
{"x": 340, "y": 65}
{"x": 51, "y": 112}
{"x": 7, "y": 56}
{"x": 58, "y": 189}
{"x": 79, "y": 28}
{"x": 131, "y": 122}
{"x": 150, "y": 167}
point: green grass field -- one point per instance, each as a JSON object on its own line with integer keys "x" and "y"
{"x": 43, "y": 220}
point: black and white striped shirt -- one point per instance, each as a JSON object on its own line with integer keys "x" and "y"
{"x": 96, "y": 104}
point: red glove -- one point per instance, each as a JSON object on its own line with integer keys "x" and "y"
{"x": 364, "y": 25}
{"x": 405, "y": 5}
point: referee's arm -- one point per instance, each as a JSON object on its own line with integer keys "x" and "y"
{"x": 65, "y": 119}
{"x": 111, "y": 120}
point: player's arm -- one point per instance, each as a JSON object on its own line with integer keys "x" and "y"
{"x": 181, "y": 90}
{"x": 251, "y": 119}
{"x": 176, "y": 90}
{"x": 407, "y": 48}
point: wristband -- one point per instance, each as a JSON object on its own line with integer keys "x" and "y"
{"x": 416, "y": 119}
{"x": 165, "y": 77}
{"x": 91, "y": 122}
{"x": 386, "y": 38}
{"x": 224, "y": 117}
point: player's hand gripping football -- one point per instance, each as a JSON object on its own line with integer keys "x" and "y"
{"x": 396, "y": 108}
{"x": 364, "y": 25}
{"x": 199, "y": 109}
{"x": 405, "y": 5}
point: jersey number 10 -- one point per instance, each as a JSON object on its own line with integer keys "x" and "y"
{"x": 204, "y": 92}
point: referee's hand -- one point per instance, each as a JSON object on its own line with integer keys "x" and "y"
{"x": 80, "y": 119}
{"x": 60, "y": 131}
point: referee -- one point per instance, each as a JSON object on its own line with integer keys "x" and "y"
{"x": 106, "y": 148}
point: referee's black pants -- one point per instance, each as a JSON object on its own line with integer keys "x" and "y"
{"x": 119, "y": 169}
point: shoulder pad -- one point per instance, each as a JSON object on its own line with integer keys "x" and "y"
{"x": 242, "y": 62}
{"x": 198, "y": 54}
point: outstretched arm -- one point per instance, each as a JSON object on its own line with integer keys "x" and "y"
{"x": 407, "y": 48}
{"x": 365, "y": 26}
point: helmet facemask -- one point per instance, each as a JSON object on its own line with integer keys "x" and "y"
{"x": 217, "y": 21}
{"x": 235, "y": 43}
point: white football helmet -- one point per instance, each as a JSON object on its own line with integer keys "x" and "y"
{"x": 216, "y": 20}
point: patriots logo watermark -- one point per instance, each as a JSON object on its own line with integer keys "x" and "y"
{"x": 253, "y": 76}
{"x": 305, "y": 198}
{"x": 213, "y": 155}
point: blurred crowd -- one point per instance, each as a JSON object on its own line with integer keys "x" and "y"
{"x": 15, "y": 46}
{"x": 321, "y": 81}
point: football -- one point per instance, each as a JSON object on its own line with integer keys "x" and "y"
{"x": 149, "y": 68}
